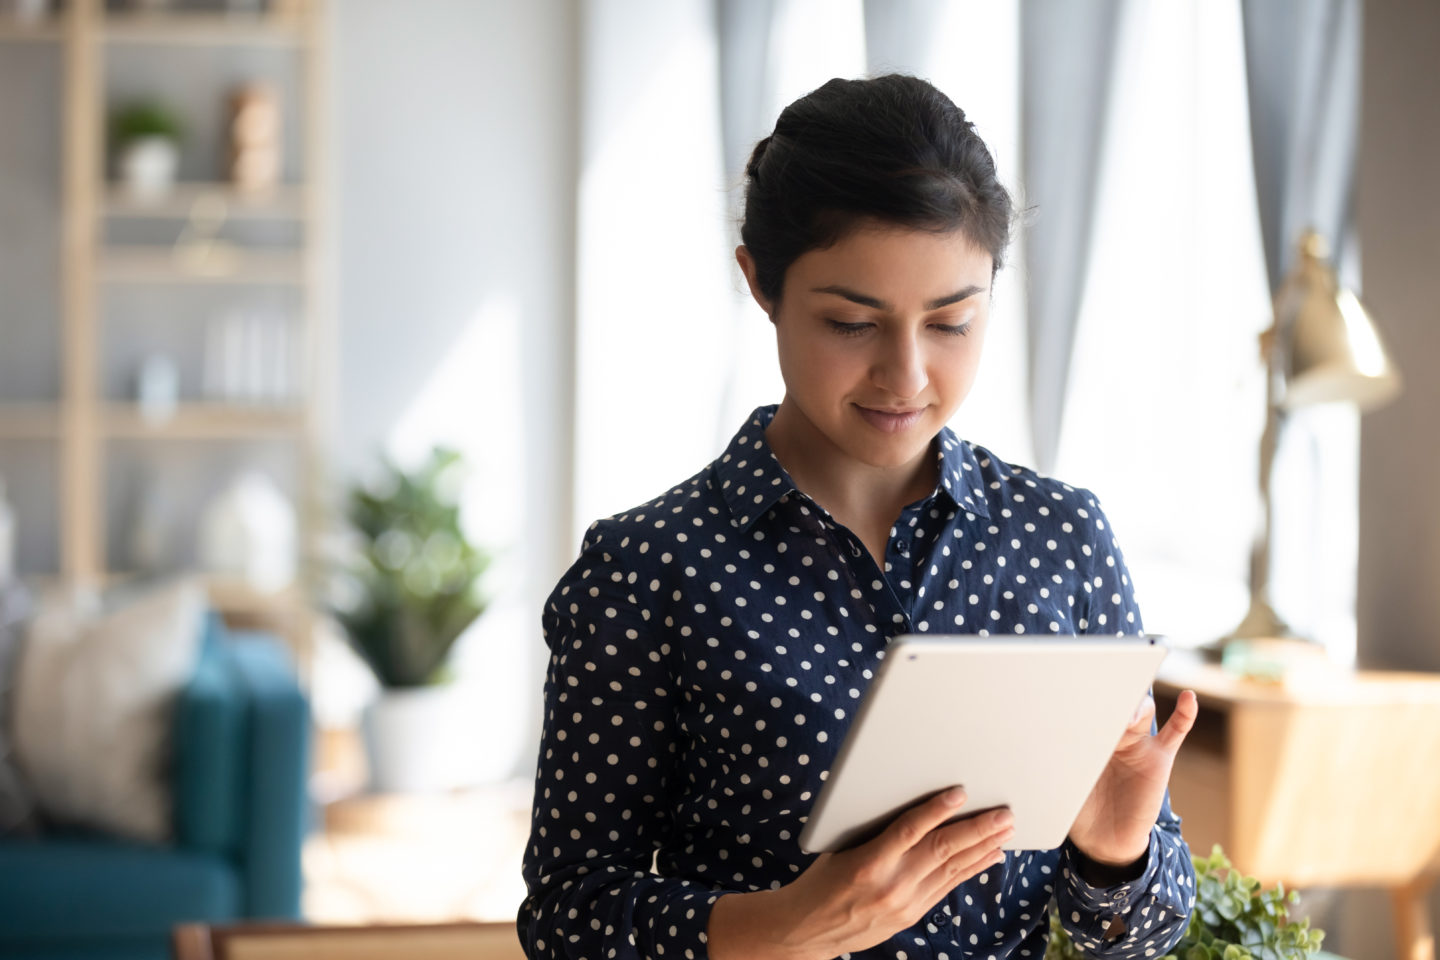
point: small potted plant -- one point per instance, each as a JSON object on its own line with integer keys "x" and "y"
{"x": 410, "y": 589}
{"x": 146, "y": 138}
{"x": 1233, "y": 919}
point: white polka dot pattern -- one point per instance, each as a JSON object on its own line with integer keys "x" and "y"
{"x": 708, "y": 650}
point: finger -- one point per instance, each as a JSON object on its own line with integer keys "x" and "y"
{"x": 971, "y": 837}
{"x": 1181, "y": 722}
{"x": 961, "y": 867}
{"x": 915, "y": 824}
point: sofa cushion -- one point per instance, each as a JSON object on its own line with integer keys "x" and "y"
{"x": 93, "y": 710}
{"x": 74, "y": 888}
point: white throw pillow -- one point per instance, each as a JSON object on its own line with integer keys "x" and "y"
{"x": 94, "y": 695}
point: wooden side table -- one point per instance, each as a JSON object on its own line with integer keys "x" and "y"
{"x": 441, "y": 941}
{"x": 1329, "y": 778}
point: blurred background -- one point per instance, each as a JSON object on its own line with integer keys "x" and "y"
{"x": 340, "y": 321}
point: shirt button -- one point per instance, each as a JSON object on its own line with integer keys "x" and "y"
{"x": 937, "y": 918}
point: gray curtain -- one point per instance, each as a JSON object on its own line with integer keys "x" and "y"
{"x": 897, "y": 32}
{"x": 743, "y": 27}
{"x": 1302, "y": 59}
{"x": 1067, "y": 48}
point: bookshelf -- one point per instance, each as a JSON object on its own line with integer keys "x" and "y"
{"x": 98, "y": 268}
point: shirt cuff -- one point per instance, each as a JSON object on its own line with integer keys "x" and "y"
{"x": 1103, "y": 895}
{"x": 1100, "y": 875}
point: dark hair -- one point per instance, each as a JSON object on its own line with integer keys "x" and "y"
{"x": 892, "y": 148}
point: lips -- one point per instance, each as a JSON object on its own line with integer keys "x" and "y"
{"x": 891, "y": 421}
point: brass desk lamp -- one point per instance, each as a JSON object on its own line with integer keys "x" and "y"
{"x": 1322, "y": 348}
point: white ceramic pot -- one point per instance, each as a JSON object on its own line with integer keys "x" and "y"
{"x": 148, "y": 165}
{"x": 420, "y": 739}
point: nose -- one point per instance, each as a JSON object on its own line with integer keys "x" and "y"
{"x": 899, "y": 369}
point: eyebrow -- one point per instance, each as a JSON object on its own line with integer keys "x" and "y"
{"x": 867, "y": 301}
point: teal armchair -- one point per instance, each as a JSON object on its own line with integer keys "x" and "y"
{"x": 241, "y": 749}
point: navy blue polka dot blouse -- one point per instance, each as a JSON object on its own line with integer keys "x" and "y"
{"x": 708, "y": 651}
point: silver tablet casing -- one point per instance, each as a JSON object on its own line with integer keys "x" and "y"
{"x": 1027, "y": 723}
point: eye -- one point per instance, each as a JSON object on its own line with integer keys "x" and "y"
{"x": 954, "y": 331}
{"x": 848, "y": 329}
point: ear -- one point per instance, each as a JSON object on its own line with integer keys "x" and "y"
{"x": 747, "y": 267}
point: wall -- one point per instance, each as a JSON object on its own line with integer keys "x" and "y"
{"x": 454, "y": 147}
{"x": 1398, "y": 207}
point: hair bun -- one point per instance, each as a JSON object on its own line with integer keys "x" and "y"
{"x": 752, "y": 169}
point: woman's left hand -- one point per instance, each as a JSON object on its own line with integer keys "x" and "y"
{"x": 1113, "y": 827}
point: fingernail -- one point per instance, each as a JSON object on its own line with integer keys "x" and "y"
{"x": 954, "y": 796}
{"x": 1001, "y": 819}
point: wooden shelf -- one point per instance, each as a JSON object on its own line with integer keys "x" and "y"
{"x": 46, "y": 30}
{"x": 29, "y": 421}
{"x": 84, "y": 423}
{"x": 206, "y": 421}
{"x": 201, "y": 29}
{"x": 228, "y": 595}
{"x": 167, "y": 265}
{"x": 236, "y": 597}
{"x": 286, "y": 202}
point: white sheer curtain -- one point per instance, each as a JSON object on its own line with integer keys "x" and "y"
{"x": 1167, "y": 399}
{"x": 653, "y": 286}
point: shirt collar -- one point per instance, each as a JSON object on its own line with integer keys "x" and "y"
{"x": 752, "y": 480}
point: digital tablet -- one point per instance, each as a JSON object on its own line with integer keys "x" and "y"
{"x": 1022, "y": 723}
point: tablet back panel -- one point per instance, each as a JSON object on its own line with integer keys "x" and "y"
{"x": 1018, "y": 722}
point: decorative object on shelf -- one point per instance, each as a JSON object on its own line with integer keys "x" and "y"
{"x": 199, "y": 248}
{"x": 255, "y": 137}
{"x": 250, "y": 358}
{"x": 150, "y": 526}
{"x": 157, "y": 389}
{"x": 406, "y": 596}
{"x": 1233, "y": 919}
{"x": 26, "y": 11}
{"x": 1323, "y": 347}
{"x": 7, "y": 538}
{"x": 19, "y": 814}
{"x": 146, "y": 138}
{"x": 248, "y": 532}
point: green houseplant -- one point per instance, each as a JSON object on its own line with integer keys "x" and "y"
{"x": 146, "y": 135}
{"x": 144, "y": 118}
{"x": 1233, "y": 919}
{"x": 415, "y": 579}
{"x": 408, "y": 592}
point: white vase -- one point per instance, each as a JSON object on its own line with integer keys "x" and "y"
{"x": 249, "y": 532}
{"x": 420, "y": 739}
{"x": 148, "y": 165}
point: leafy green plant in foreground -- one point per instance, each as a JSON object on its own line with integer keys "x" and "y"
{"x": 1233, "y": 919}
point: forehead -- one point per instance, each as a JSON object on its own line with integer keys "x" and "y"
{"x": 894, "y": 263}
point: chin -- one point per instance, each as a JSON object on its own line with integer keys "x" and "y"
{"x": 898, "y": 453}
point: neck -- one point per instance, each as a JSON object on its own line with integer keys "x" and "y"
{"x": 846, "y": 487}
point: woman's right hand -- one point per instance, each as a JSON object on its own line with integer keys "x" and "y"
{"x": 851, "y": 900}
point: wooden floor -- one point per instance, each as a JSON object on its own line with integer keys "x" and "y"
{"x": 419, "y": 858}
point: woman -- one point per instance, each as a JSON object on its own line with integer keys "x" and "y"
{"x": 709, "y": 646}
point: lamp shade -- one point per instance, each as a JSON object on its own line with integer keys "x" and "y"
{"x": 1334, "y": 351}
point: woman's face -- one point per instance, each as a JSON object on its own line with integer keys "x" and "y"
{"x": 879, "y": 337}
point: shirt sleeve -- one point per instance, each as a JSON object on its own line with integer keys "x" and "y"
{"x": 1142, "y": 917}
{"x": 604, "y": 778}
